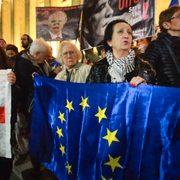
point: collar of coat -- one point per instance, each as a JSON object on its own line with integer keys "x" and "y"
{"x": 27, "y": 56}
{"x": 76, "y": 67}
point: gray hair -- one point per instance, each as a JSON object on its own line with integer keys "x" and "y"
{"x": 58, "y": 13}
{"x": 39, "y": 45}
{"x": 59, "y": 55}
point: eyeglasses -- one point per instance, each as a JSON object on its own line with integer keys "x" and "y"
{"x": 68, "y": 52}
{"x": 178, "y": 16}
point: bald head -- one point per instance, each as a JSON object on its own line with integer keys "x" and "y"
{"x": 56, "y": 22}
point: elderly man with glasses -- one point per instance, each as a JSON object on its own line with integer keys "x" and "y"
{"x": 26, "y": 41}
{"x": 164, "y": 52}
{"x": 73, "y": 70}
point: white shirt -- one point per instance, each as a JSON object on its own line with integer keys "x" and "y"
{"x": 53, "y": 36}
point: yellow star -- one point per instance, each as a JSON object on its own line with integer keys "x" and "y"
{"x": 105, "y": 179}
{"x": 101, "y": 114}
{"x": 61, "y": 116}
{"x": 69, "y": 105}
{"x": 62, "y": 148}
{"x": 59, "y": 131}
{"x": 84, "y": 103}
{"x": 113, "y": 163}
{"x": 111, "y": 136}
{"x": 69, "y": 168}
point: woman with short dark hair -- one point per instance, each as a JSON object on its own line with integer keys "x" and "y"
{"x": 164, "y": 52}
{"x": 120, "y": 64}
{"x": 11, "y": 50}
{"x": 5, "y": 64}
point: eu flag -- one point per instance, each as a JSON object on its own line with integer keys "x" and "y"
{"x": 174, "y": 2}
{"x": 106, "y": 131}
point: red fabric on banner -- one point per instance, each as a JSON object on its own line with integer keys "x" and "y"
{"x": 2, "y": 114}
{"x": 145, "y": 8}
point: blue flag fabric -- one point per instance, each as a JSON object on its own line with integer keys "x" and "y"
{"x": 54, "y": 63}
{"x": 174, "y": 2}
{"x": 106, "y": 131}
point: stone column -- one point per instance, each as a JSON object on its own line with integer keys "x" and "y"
{"x": 0, "y": 18}
{"x": 54, "y": 2}
{"x": 32, "y": 19}
{"x": 47, "y": 2}
{"x": 5, "y": 21}
{"x": 27, "y": 16}
{"x": 76, "y": 2}
{"x": 19, "y": 21}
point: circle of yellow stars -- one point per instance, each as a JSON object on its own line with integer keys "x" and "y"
{"x": 110, "y": 137}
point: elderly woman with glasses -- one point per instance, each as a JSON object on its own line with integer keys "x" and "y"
{"x": 164, "y": 52}
{"x": 73, "y": 71}
{"x": 120, "y": 64}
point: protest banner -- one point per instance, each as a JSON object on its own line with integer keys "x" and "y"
{"x": 5, "y": 115}
{"x": 58, "y": 23}
{"x": 140, "y": 14}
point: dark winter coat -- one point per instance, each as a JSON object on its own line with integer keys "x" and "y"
{"x": 24, "y": 69}
{"x": 99, "y": 72}
{"x": 159, "y": 57}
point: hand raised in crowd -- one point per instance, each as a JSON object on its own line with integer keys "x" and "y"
{"x": 57, "y": 69}
{"x": 137, "y": 80}
{"x": 34, "y": 74}
{"x": 11, "y": 77}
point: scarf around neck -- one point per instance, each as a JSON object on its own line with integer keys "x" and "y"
{"x": 118, "y": 68}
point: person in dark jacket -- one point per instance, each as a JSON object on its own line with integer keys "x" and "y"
{"x": 158, "y": 54}
{"x": 3, "y": 44}
{"x": 6, "y": 163}
{"x": 32, "y": 61}
{"x": 120, "y": 63}
{"x": 142, "y": 45}
{"x": 26, "y": 41}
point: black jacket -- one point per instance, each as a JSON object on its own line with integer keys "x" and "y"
{"x": 23, "y": 70}
{"x": 159, "y": 57}
{"x": 48, "y": 37}
{"x": 99, "y": 72}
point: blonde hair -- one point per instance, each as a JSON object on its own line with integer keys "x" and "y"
{"x": 62, "y": 44}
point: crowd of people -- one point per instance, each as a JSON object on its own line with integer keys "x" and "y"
{"x": 157, "y": 62}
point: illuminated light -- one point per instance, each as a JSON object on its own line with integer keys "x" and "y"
{"x": 53, "y": 45}
{"x": 65, "y": 3}
{"x": 95, "y": 50}
{"x": 76, "y": 43}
